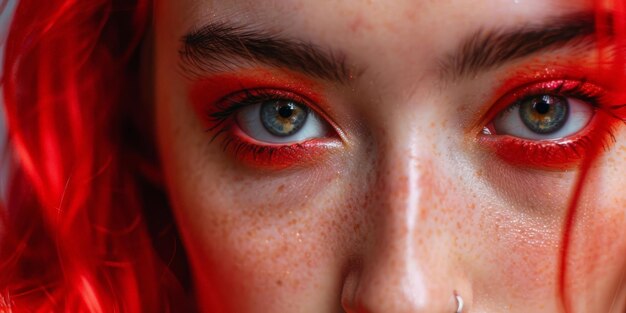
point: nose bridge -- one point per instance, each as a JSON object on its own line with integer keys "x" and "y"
{"x": 404, "y": 194}
{"x": 406, "y": 269}
{"x": 401, "y": 235}
{"x": 405, "y": 180}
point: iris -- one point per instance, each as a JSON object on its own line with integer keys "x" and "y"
{"x": 283, "y": 117}
{"x": 544, "y": 114}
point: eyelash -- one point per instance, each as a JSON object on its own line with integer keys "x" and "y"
{"x": 276, "y": 156}
{"x": 554, "y": 154}
{"x": 557, "y": 154}
{"x": 577, "y": 90}
{"x": 230, "y": 104}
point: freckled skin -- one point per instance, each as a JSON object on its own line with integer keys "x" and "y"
{"x": 411, "y": 208}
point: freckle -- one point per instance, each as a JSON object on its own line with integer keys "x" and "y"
{"x": 411, "y": 15}
{"x": 280, "y": 188}
{"x": 279, "y": 282}
{"x": 356, "y": 24}
{"x": 423, "y": 215}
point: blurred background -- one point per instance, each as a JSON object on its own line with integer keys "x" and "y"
{"x": 7, "y": 7}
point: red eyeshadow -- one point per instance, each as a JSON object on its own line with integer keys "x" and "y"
{"x": 207, "y": 96}
{"x": 564, "y": 154}
{"x": 205, "y": 93}
{"x": 279, "y": 157}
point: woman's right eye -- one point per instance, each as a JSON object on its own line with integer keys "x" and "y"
{"x": 267, "y": 120}
{"x": 280, "y": 122}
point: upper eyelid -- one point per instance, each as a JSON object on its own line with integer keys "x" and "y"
{"x": 254, "y": 94}
{"x": 206, "y": 92}
{"x": 247, "y": 96}
{"x": 520, "y": 92}
{"x": 306, "y": 101}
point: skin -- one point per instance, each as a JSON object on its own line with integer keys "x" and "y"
{"x": 409, "y": 208}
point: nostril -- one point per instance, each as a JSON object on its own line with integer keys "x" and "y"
{"x": 377, "y": 287}
{"x": 348, "y": 292}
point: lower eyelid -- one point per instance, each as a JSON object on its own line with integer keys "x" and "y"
{"x": 561, "y": 154}
{"x": 563, "y": 87}
{"x": 520, "y": 152}
{"x": 277, "y": 157}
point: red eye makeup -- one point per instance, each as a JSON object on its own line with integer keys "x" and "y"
{"x": 548, "y": 119}
{"x": 549, "y": 123}
{"x": 266, "y": 119}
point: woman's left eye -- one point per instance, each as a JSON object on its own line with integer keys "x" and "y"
{"x": 550, "y": 125}
{"x": 280, "y": 121}
{"x": 544, "y": 117}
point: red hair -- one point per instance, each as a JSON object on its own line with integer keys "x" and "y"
{"x": 85, "y": 209}
{"x": 74, "y": 236}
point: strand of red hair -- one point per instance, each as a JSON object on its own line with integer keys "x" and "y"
{"x": 611, "y": 47}
{"x": 74, "y": 237}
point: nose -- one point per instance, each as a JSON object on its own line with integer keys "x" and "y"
{"x": 409, "y": 264}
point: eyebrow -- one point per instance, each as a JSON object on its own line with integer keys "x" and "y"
{"x": 485, "y": 50}
{"x": 216, "y": 45}
{"x": 221, "y": 45}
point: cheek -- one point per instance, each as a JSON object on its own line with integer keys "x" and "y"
{"x": 526, "y": 251}
{"x": 596, "y": 273}
{"x": 519, "y": 220}
{"x": 599, "y": 246}
{"x": 276, "y": 239}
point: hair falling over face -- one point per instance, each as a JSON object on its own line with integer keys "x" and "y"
{"x": 86, "y": 226}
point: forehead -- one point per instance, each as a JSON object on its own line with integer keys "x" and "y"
{"x": 392, "y": 19}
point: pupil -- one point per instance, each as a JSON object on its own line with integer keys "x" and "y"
{"x": 285, "y": 111}
{"x": 544, "y": 114}
{"x": 283, "y": 118}
{"x": 542, "y": 106}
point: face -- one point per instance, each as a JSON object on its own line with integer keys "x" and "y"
{"x": 370, "y": 156}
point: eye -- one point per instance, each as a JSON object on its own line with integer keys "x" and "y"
{"x": 266, "y": 120}
{"x": 550, "y": 125}
{"x": 280, "y": 121}
{"x": 544, "y": 117}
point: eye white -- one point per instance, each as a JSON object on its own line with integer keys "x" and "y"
{"x": 510, "y": 123}
{"x": 249, "y": 119}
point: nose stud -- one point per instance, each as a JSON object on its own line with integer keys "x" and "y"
{"x": 459, "y": 303}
